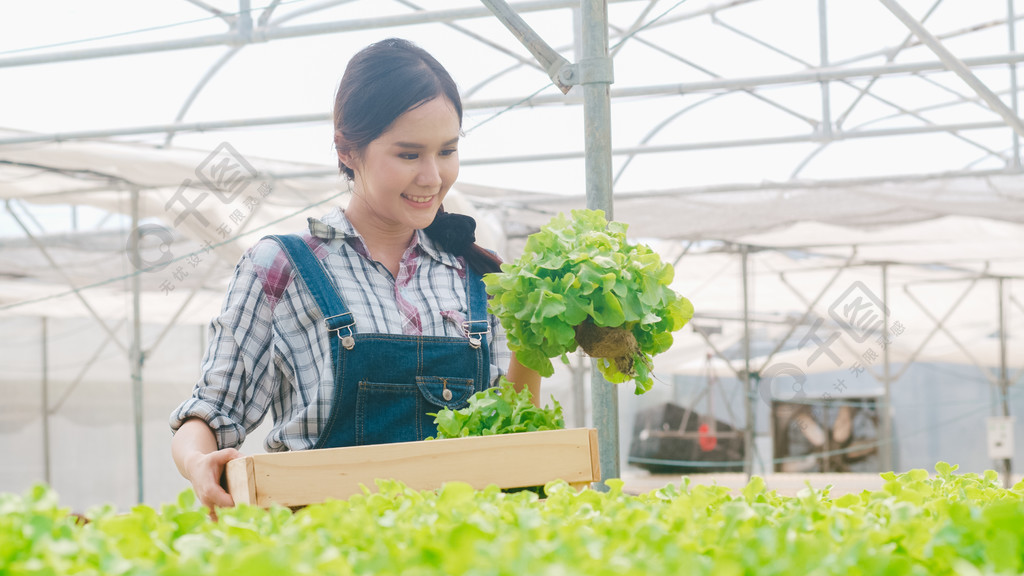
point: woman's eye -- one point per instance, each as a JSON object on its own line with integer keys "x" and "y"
{"x": 449, "y": 152}
{"x": 408, "y": 156}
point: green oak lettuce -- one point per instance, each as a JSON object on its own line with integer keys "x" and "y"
{"x": 582, "y": 270}
{"x": 498, "y": 410}
{"x": 915, "y": 523}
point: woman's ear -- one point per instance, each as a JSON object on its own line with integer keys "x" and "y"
{"x": 348, "y": 160}
{"x": 345, "y": 154}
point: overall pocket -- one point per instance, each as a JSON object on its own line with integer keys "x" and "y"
{"x": 442, "y": 392}
{"x": 387, "y": 413}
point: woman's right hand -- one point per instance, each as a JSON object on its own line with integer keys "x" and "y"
{"x": 195, "y": 453}
{"x": 205, "y": 472}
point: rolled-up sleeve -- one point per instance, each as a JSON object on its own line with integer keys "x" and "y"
{"x": 234, "y": 390}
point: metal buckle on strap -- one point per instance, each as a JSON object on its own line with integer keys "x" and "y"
{"x": 347, "y": 340}
{"x": 474, "y": 335}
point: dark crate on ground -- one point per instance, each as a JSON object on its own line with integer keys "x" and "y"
{"x": 669, "y": 438}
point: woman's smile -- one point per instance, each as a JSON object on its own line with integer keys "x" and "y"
{"x": 424, "y": 200}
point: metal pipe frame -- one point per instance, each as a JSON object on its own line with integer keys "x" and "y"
{"x": 243, "y": 31}
{"x": 956, "y": 65}
{"x": 44, "y": 386}
{"x": 271, "y": 32}
{"x": 760, "y": 186}
{"x": 809, "y": 303}
{"x": 712, "y": 86}
{"x": 136, "y": 359}
{"x": 96, "y": 356}
{"x": 748, "y": 388}
{"x": 940, "y": 326}
{"x": 67, "y": 279}
{"x": 939, "y": 322}
{"x": 1004, "y": 383}
{"x": 885, "y": 447}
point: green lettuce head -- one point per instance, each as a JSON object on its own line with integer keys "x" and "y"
{"x": 580, "y": 283}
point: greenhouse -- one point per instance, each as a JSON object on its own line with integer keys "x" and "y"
{"x": 837, "y": 186}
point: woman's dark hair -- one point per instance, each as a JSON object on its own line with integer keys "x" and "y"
{"x": 382, "y": 82}
{"x": 456, "y": 233}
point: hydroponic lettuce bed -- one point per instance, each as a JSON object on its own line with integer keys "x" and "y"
{"x": 943, "y": 524}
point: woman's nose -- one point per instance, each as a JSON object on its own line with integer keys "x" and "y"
{"x": 429, "y": 173}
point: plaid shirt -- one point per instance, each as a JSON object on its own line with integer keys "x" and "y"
{"x": 269, "y": 347}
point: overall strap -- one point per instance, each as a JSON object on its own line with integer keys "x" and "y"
{"x": 478, "y": 325}
{"x": 336, "y": 315}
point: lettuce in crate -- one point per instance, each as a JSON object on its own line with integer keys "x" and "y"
{"x": 580, "y": 283}
{"x": 498, "y": 410}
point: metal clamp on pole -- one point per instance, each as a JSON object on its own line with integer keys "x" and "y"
{"x": 588, "y": 71}
{"x": 552, "y": 62}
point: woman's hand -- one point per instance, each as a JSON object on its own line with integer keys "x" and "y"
{"x": 205, "y": 472}
{"x": 195, "y": 452}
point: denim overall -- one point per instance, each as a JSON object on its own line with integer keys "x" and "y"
{"x": 385, "y": 384}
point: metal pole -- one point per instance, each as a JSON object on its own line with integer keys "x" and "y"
{"x": 748, "y": 432}
{"x": 1003, "y": 380}
{"x": 597, "y": 138}
{"x": 826, "y": 102}
{"x": 1012, "y": 28}
{"x": 579, "y": 372}
{"x": 135, "y": 357}
{"x": 579, "y": 394}
{"x": 244, "y": 22}
{"x": 885, "y": 451}
{"x": 46, "y": 407}
{"x": 677, "y": 388}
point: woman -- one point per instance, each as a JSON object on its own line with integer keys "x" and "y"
{"x": 353, "y": 331}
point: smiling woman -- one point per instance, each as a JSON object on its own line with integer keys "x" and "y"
{"x": 354, "y": 331}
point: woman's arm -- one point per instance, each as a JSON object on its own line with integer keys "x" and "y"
{"x": 194, "y": 449}
{"x": 522, "y": 376}
{"x": 235, "y": 365}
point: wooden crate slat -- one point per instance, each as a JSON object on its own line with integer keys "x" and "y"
{"x": 595, "y": 456}
{"x": 509, "y": 460}
{"x": 240, "y": 480}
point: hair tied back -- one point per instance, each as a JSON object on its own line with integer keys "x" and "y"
{"x": 455, "y": 233}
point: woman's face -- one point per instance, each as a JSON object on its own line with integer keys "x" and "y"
{"x": 402, "y": 176}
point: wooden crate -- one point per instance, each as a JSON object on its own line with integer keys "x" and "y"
{"x": 509, "y": 460}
